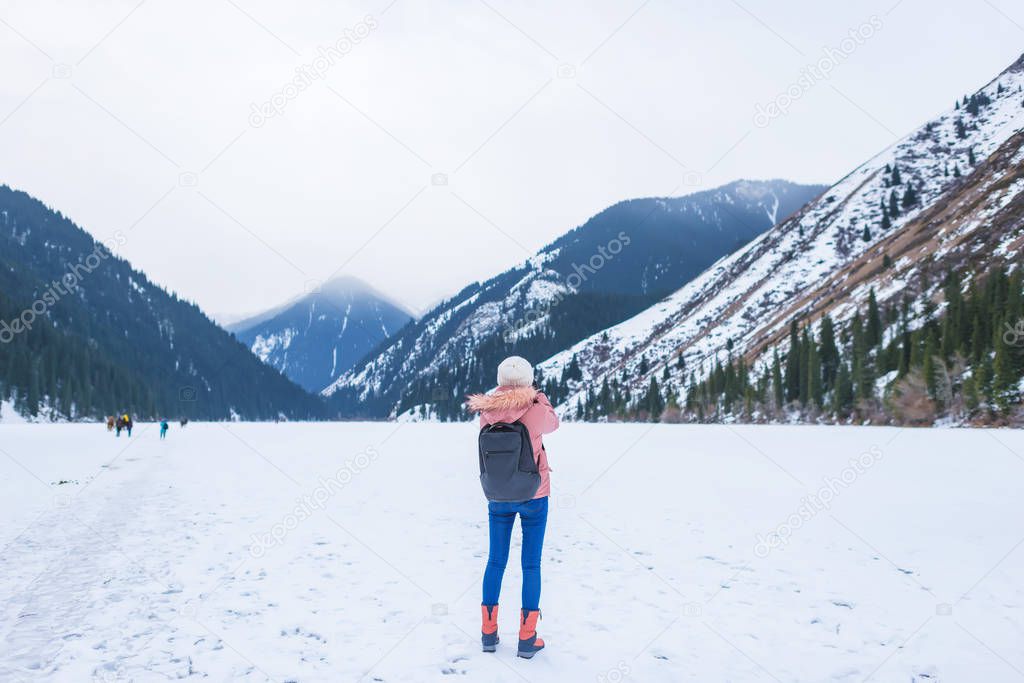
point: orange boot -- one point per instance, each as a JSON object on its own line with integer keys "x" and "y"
{"x": 489, "y": 630}
{"x": 529, "y": 643}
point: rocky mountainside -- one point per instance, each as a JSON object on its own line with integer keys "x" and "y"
{"x": 947, "y": 196}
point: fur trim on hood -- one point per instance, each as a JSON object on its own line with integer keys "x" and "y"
{"x": 502, "y": 399}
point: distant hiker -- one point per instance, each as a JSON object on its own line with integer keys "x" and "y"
{"x": 110, "y": 423}
{"x": 515, "y": 476}
{"x": 163, "y": 429}
{"x": 184, "y": 421}
{"x": 128, "y": 424}
{"x": 120, "y": 425}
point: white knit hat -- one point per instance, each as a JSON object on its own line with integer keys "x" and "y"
{"x": 515, "y": 372}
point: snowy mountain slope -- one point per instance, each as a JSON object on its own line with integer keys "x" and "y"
{"x": 614, "y": 265}
{"x": 317, "y": 337}
{"x": 834, "y": 249}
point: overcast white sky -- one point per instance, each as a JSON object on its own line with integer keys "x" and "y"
{"x": 136, "y": 117}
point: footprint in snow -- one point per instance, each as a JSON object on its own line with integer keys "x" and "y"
{"x": 453, "y": 669}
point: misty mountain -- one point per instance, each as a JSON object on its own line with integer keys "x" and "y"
{"x": 316, "y": 338}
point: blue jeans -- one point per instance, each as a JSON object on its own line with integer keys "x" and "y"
{"x": 533, "y": 516}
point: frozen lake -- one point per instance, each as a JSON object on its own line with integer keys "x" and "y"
{"x": 343, "y": 552}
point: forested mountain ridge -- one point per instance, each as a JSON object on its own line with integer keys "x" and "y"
{"x": 83, "y": 335}
{"x": 615, "y": 264}
{"x": 935, "y": 220}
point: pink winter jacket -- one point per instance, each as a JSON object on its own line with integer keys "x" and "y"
{"x": 529, "y": 406}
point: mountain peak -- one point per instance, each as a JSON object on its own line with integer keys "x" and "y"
{"x": 343, "y": 284}
{"x": 346, "y": 288}
{"x": 319, "y": 334}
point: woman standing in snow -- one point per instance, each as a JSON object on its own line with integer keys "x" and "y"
{"x": 516, "y": 402}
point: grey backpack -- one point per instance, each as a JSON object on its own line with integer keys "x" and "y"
{"x": 508, "y": 470}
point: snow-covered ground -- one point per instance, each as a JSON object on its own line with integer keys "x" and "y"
{"x": 9, "y": 414}
{"x": 343, "y": 552}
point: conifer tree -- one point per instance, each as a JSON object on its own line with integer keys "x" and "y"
{"x": 861, "y": 368}
{"x": 874, "y": 321}
{"x": 654, "y": 402}
{"x": 829, "y": 353}
{"x": 572, "y": 371}
{"x": 605, "y": 398}
{"x": 971, "y": 398}
{"x": 910, "y": 196}
{"x": 805, "y": 353}
{"x": 1003, "y": 380}
{"x": 930, "y": 377}
{"x": 33, "y": 398}
{"x": 793, "y": 364}
{"x": 777, "y": 386}
{"x": 814, "y": 384}
{"x": 843, "y": 394}
{"x": 672, "y": 405}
